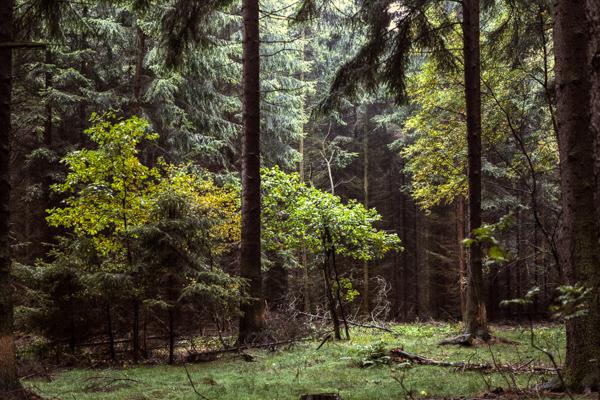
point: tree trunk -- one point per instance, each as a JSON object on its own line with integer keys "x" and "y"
{"x": 252, "y": 321}
{"x": 404, "y": 205}
{"x": 9, "y": 381}
{"x": 462, "y": 267}
{"x": 417, "y": 264}
{"x": 593, "y": 318}
{"x": 301, "y": 167}
{"x": 329, "y": 292}
{"x": 171, "y": 335}
{"x": 365, "y": 149}
{"x": 111, "y": 334}
{"x": 135, "y": 331}
{"x": 475, "y": 318}
{"x": 139, "y": 65}
{"x": 578, "y": 247}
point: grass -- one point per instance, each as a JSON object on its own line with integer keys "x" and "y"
{"x": 336, "y": 367}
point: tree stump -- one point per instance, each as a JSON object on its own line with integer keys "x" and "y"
{"x": 321, "y": 396}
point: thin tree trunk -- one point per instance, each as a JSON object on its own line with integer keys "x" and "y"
{"x": 338, "y": 292}
{"x": 536, "y": 264}
{"x": 578, "y": 247}
{"x": 405, "y": 286}
{"x": 252, "y": 321}
{"x": 301, "y": 167}
{"x": 417, "y": 266}
{"x": 475, "y": 318}
{"x": 329, "y": 292}
{"x": 365, "y": 149}
{"x": 111, "y": 334}
{"x": 9, "y": 381}
{"x": 135, "y": 330}
{"x": 46, "y": 230}
{"x": 462, "y": 267}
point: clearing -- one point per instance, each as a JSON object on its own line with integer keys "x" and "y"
{"x": 356, "y": 369}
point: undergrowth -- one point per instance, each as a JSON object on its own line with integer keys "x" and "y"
{"x": 356, "y": 369}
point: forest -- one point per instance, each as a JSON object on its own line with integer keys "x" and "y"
{"x": 299, "y": 199}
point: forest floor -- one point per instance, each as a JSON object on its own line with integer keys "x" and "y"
{"x": 356, "y": 369}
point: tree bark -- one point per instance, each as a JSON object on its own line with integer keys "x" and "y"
{"x": 475, "y": 318}
{"x": 9, "y": 382}
{"x": 578, "y": 247}
{"x": 252, "y": 321}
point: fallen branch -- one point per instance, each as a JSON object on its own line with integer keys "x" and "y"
{"x": 324, "y": 341}
{"x": 103, "y": 383}
{"x": 357, "y": 324}
{"x": 192, "y": 384}
{"x": 212, "y": 354}
{"x": 400, "y": 355}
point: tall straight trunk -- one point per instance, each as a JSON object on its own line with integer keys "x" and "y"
{"x": 417, "y": 264}
{"x": 365, "y": 149}
{"x": 578, "y": 247}
{"x": 301, "y": 167}
{"x": 593, "y": 13}
{"x": 47, "y": 234}
{"x": 536, "y": 264}
{"x": 9, "y": 381}
{"x": 462, "y": 262}
{"x": 521, "y": 278}
{"x": 396, "y": 277}
{"x": 405, "y": 286}
{"x": 252, "y": 321}
{"x": 475, "y": 318}
{"x": 135, "y": 331}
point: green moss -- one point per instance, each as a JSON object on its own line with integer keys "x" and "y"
{"x": 336, "y": 367}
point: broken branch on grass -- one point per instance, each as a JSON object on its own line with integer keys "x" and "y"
{"x": 402, "y": 355}
{"x": 324, "y": 341}
{"x": 187, "y": 372}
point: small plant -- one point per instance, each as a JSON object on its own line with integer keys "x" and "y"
{"x": 374, "y": 355}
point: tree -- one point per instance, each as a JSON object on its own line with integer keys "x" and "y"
{"x": 8, "y": 369}
{"x": 579, "y": 252}
{"x": 252, "y": 322}
{"x": 424, "y": 25}
{"x": 107, "y": 189}
{"x": 192, "y": 222}
{"x": 475, "y": 318}
{"x": 296, "y": 216}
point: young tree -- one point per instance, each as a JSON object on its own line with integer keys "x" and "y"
{"x": 579, "y": 252}
{"x": 298, "y": 216}
{"x": 192, "y": 222}
{"x": 107, "y": 190}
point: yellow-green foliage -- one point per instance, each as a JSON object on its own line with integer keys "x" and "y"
{"x": 109, "y": 191}
{"x": 107, "y": 188}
